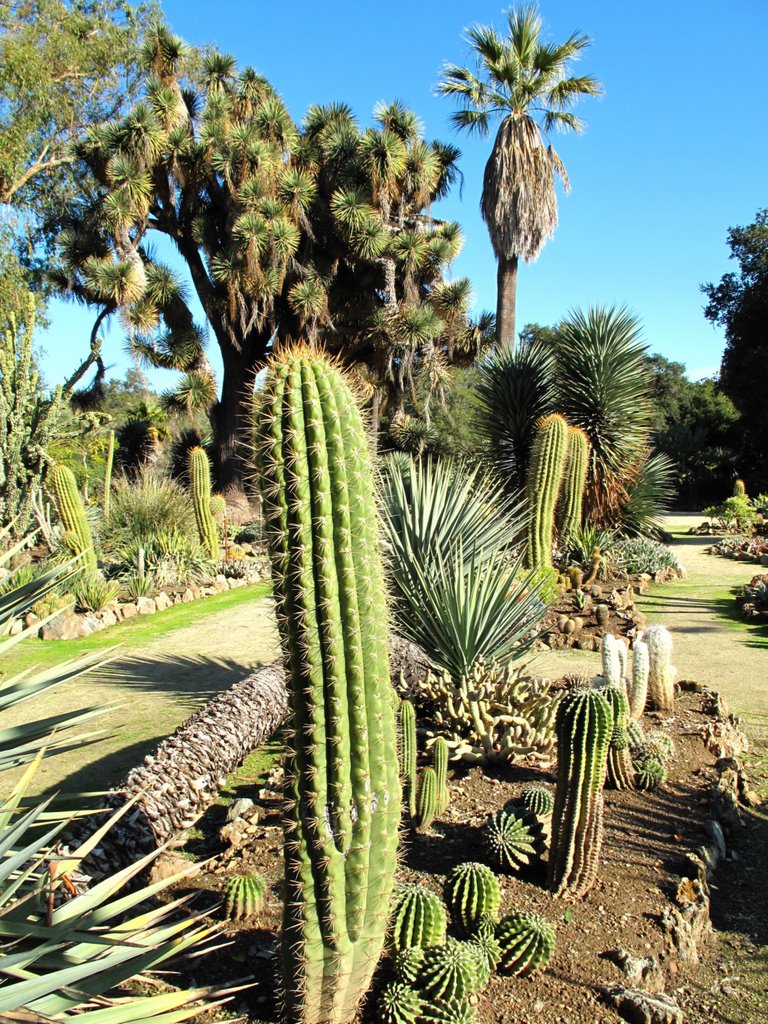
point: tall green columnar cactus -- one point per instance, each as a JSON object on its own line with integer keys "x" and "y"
{"x": 584, "y": 726}
{"x": 572, "y": 486}
{"x": 544, "y": 475}
{"x": 408, "y": 754}
{"x": 342, "y": 786}
{"x": 200, "y": 485}
{"x": 105, "y": 505}
{"x": 440, "y": 761}
{"x": 69, "y": 502}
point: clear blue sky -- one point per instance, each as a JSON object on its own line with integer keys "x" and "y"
{"x": 674, "y": 153}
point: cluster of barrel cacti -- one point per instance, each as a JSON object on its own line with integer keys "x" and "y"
{"x": 650, "y": 754}
{"x": 436, "y": 974}
{"x": 491, "y": 714}
{"x": 343, "y": 796}
{"x": 426, "y": 792}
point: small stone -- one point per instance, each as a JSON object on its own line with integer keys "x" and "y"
{"x": 108, "y": 618}
{"x": 240, "y": 808}
{"x": 169, "y": 864}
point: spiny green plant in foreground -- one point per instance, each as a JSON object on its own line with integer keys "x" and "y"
{"x": 398, "y": 1004}
{"x": 342, "y": 786}
{"x": 244, "y": 895}
{"x": 527, "y": 942}
{"x": 69, "y": 502}
{"x": 545, "y": 472}
{"x": 513, "y": 838}
{"x": 449, "y": 971}
{"x": 584, "y": 725}
{"x": 200, "y": 486}
{"x": 418, "y": 918}
{"x": 472, "y": 892}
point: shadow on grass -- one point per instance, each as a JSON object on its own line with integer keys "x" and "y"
{"x": 188, "y": 680}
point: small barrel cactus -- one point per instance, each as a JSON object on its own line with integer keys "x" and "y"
{"x": 487, "y": 951}
{"x": 407, "y": 750}
{"x": 661, "y": 674}
{"x": 472, "y": 891}
{"x": 638, "y": 690}
{"x": 449, "y": 971}
{"x": 635, "y": 735}
{"x": 545, "y": 471}
{"x": 513, "y": 838}
{"x": 244, "y": 896}
{"x": 536, "y": 799}
{"x": 584, "y": 726}
{"x": 449, "y": 1011}
{"x": 620, "y": 773}
{"x": 650, "y": 772}
{"x": 659, "y": 745}
{"x": 418, "y": 918}
{"x": 427, "y": 802}
{"x": 527, "y": 942}
{"x": 398, "y": 1004}
{"x": 408, "y": 963}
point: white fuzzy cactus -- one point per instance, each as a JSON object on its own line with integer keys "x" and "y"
{"x": 614, "y": 655}
{"x": 638, "y": 690}
{"x": 661, "y": 674}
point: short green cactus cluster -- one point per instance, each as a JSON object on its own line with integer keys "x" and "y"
{"x": 200, "y": 486}
{"x": 449, "y": 971}
{"x": 426, "y": 793}
{"x": 649, "y": 772}
{"x": 69, "y": 502}
{"x": 527, "y": 942}
{"x": 244, "y": 896}
{"x": 472, "y": 892}
{"x": 545, "y": 471}
{"x": 399, "y": 1004}
{"x": 620, "y": 773}
{"x": 650, "y": 755}
{"x": 513, "y": 838}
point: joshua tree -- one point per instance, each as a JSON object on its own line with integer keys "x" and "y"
{"x": 523, "y": 81}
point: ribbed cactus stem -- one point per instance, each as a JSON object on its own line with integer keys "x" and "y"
{"x": 107, "y": 499}
{"x": 572, "y": 487}
{"x": 611, "y": 658}
{"x": 545, "y": 472}
{"x": 472, "y": 892}
{"x": 342, "y": 787}
{"x": 661, "y": 672}
{"x": 739, "y": 489}
{"x": 638, "y": 690}
{"x": 72, "y": 514}
{"x": 408, "y": 754}
{"x": 200, "y": 485}
{"x": 427, "y": 803}
{"x": 418, "y": 920}
{"x": 584, "y": 725}
{"x": 440, "y": 762}
{"x": 527, "y": 942}
{"x": 620, "y": 771}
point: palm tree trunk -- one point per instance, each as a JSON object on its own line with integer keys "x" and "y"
{"x": 506, "y": 294}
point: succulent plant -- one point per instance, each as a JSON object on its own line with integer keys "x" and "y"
{"x": 660, "y": 745}
{"x": 611, "y": 658}
{"x": 536, "y": 799}
{"x": 545, "y": 471}
{"x": 218, "y": 506}
{"x": 417, "y": 918}
{"x": 448, "y": 971}
{"x": 620, "y": 773}
{"x": 108, "y": 464}
{"x": 584, "y": 726}
{"x": 602, "y": 615}
{"x": 343, "y": 791}
{"x": 200, "y": 486}
{"x": 408, "y": 754}
{"x": 487, "y": 951}
{"x": 569, "y": 502}
{"x": 244, "y": 896}
{"x": 513, "y": 838}
{"x": 449, "y": 1011}
{"x": 427, "y": 801}
{"x": 398, "y": 1004}
{"x": 527, "y": 942}
{"x": 638, "y": 688}
{"x": 440, "y": 762}
{"x": 661, "y": 675}
{"x": 472, "y": 891}
{"x": 78, "y": 537}
{"x": 650, "y": 772}
{"x": 635, "y": 735}
{"x": 407, "y": 963}
{"x": 739, "y": 489}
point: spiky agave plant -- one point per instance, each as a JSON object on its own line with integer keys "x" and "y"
{"x": 342, "y": 786}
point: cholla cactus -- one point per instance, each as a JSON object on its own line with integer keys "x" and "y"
{"x": 620, "y": 772}
{"x": 513, "y": 838}
{"x": 493, "y": 714}
{"x": 398, "y": 1004}
{"x": 244, "y": 896}
{"x": 418, "y": 918}
{"x": 69, "y": 502}
{"x": 527, "y": 943}
{"x": 661, "y": 675}
{"x": 545, "y": 471}
{"x": 472, "y": 892}
{"x": 638, "y": 690}
{"x": 572, "y": 487}
{"x": 342, "y": 786}
{"x": 449, "y": 971}
{"x": 584, "y": 725}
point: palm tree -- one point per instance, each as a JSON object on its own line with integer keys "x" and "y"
{"x": 523, "y": 81}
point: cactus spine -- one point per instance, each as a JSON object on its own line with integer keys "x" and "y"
{"x": 72, "y": 514}
{"x": 572, "y": 487}
{"x": 527, "y": 943}
{"x": 620, "y": 771}
{"x": 200, "y": 484}
{"x": 418, "y": 918}
{"x": 661, "y": 673}
{"x": 512, "y": 838}
{"x": 408, "y": 754}
{"x": 544, "y": 474}
{"x": 638, "y": 691}
{"x": 472, "y": 891}
{"x": 106, "y": 502}
{"x": 584, "y": 725}
{"x": 342, "y": 787}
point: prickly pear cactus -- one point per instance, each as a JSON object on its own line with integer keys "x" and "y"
{"x": 638, "y": 690}
{"x": 545, "y": 472}
{"x": 72, "y": 514}
{"x": 513, "y": 838}
{"x": 472, "y": 891}
{"x": 584, "y": 726}
{"x": 342, "y": 786}
{"x": 527, "y": 943}
{"x": 418, "y": 918}
{"x": 398, "y": 1004}
{"x": 661, "y": 675}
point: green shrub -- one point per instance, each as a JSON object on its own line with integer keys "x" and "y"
{"x": 145, "y": 507}
{"x": 172, "y": 558}
{"x": 641, "y": 554}
{"x": 93, "y": 593}
{"x": 735, "y": 514}
{"x": 583, "y": 541}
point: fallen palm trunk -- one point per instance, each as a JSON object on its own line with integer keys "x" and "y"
{"x": 177, "y": 782}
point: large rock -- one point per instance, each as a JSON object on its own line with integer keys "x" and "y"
{"x": 145, "y": 606}
{"x": 162, "y": 601}
{"x": 65, "y": 626}
{"x": 127, "y": 611}
{"x": 640, "y": 1007}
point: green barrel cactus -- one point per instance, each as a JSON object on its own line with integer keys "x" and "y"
{"x": 407, "y": 750}
{"x": 109, "y": 463}
{"x": 71, "y": 508}
{"x": 513, "y": 838}
{"x": 449, "y": 971}
{"x": 638, "y": 687}
{"x": 527, "y": 942}
{"x": 619, "y": 770}
{"x": 487, "y": 951}
{"x": 440, "y": 762}
{"x": 200, "y": 486}
{"x": 449, "y": 1011}
{"x": 545, "y": 471}
{"x": 584, "y": 726}
{"x": 418, "y": 918}
{"x": 536, "y": 799}
{"x": 398, "y": 1004}
{"x": 244, "y": 896}
{"x": 635, "y": 735}
{"x": 408, "y": 962}
{"x": 472, "y": 891}
{"x": 570, "y": 501}
{"x": 342, "y": 786}
{"x": 427, "y": 802}
{"x": 649, "y": 772}
{"x": 659, "y": 745}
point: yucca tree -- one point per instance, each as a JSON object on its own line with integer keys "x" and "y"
{"x": 523, "y": 82}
